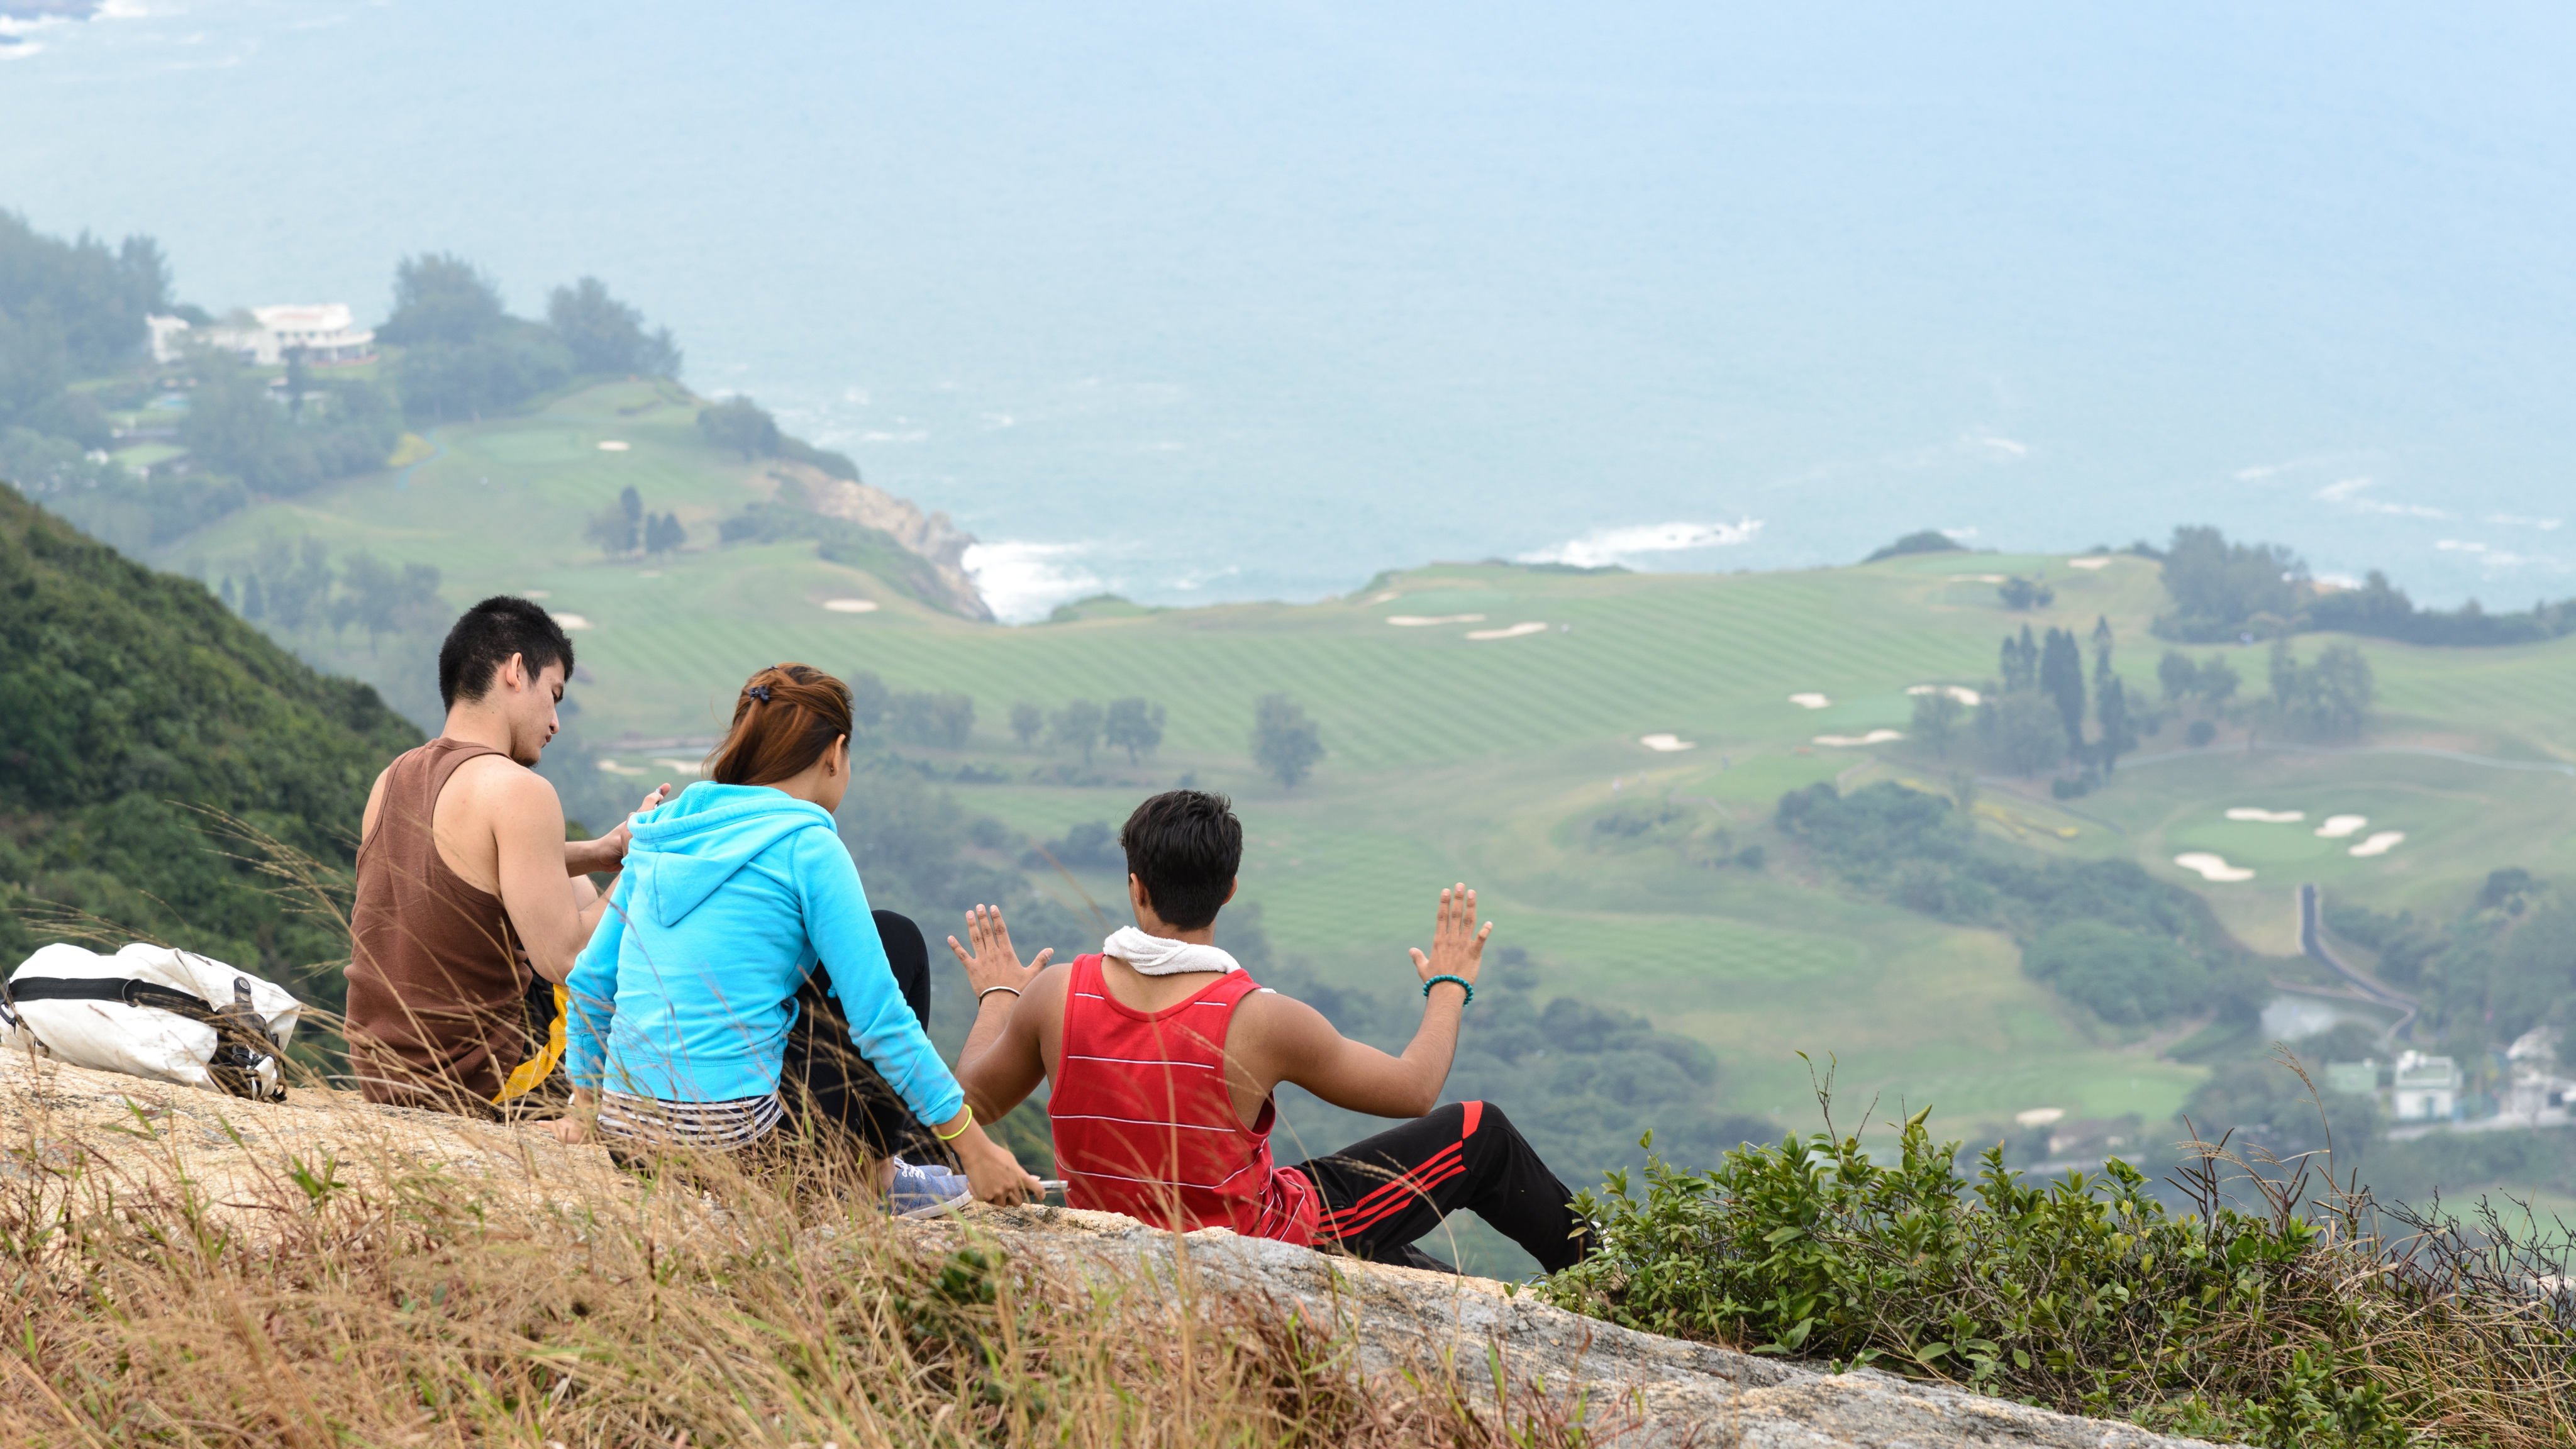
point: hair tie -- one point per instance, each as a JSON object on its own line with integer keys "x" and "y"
{"x": 759, "y": 692}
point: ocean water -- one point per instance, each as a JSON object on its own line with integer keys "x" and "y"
{"x": 1251, "y": 301}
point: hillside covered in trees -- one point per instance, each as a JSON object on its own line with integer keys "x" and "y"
{"x": 143, "y": 730}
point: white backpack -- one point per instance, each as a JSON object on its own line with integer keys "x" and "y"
{"x": 149, "y": 1011}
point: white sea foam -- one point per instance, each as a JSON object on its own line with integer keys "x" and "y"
{"x": 1619, "y": 545}
{"x": 1022, "y": 581}
{"x": 2349, "y": 491}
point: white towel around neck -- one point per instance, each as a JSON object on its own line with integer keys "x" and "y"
{"x": 1160, "y": 956}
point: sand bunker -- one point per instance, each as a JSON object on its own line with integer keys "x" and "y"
{"x": 2040, "y": 1116}
{"x": 1810, "y": 701}
{"x": 1960, "y": 692}
{"x": 1874, "y": 737}
{"x": 1424, "y": 621}
{"x": 1667, "y": 744}
{"x": 1389, "y": 597}
{"x": 2267, "y": 817}
{"x": 682, "y": 767}
{"x": 851, "y": 606}
{"x": 538, "y": 594}
{"x": 614, "y": 446}
{"x": 572, "y": 621}
{"x": 1516, "y": 631}
{"x": 1976, "y": 578}
{"x": 2380, "y": 844}
{"x": 2088, "y": 563}
{"x": 611, "y": 767}
{"x": 2212, "y": 867}
{"x": 2339, "y": 826}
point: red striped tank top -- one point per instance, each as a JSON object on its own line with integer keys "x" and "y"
{"x": 1145, "y": 1125}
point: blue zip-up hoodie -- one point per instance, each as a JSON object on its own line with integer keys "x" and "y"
{"x": 730, "y": 896}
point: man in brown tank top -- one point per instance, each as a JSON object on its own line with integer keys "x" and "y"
{"x": 468, "y": 893}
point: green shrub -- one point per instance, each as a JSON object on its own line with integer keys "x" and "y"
{"x": 2123, "y": 977}
{"x": 2085, "y": 1294}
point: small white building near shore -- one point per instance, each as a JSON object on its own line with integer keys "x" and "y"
{"x": 327, "y": 332}
{"x": 2426, "y": 1088}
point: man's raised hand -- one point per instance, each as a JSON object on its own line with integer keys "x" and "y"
{"x": 993, "y": 962}
{"x": 1457, "y": 942}
{"x": 610, "y": 849}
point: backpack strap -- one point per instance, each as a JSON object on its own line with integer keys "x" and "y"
{"x": 242, "y": 1039}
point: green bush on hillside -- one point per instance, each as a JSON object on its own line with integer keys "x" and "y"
{"x": 2086, "y": 1295}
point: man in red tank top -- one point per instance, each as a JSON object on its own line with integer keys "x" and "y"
{"x": 468, "y": 895}
{"x": 1163, "y": 1054}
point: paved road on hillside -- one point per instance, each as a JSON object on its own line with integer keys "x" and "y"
{"x": 2312, "y": 941}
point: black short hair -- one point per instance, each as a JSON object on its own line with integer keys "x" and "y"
{"x": 1185, "y": 846}
{"x": 487, "y": 635}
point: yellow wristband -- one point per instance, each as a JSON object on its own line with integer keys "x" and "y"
{"x": 961, "y": 1128}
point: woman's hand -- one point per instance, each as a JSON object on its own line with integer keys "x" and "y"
{"x": 573, "y": 1128}
{"x": 992, "y": 1173}
{"x": 1457, "y": 945}
{"x": 993, "y": 962}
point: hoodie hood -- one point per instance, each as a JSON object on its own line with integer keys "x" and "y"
{"x": 683, "y": 851}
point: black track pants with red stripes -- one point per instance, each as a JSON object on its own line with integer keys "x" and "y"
{"x": 1381, "y": 1193}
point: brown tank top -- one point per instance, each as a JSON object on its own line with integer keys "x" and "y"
{"x": 438, "y": 983}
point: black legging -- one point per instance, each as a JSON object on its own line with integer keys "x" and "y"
{"x": 830, "y": 1089}
{"x": 1382, "y": 1192}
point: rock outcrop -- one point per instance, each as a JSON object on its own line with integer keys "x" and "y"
{"x": 931, "y": 537}
{"x": 1638, "y": 1388}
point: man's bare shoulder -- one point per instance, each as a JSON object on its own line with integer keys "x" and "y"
{"x": 1272, "y": 1016}
{"x": 501, "y": 787}
{"x": 1046, "y": 990}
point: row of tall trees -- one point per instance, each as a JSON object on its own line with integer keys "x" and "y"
{"x": 1080, "y": 726}
{"x": 464, "y": 356}
{"x": 625, "y": 528}
{"x": 2035, "y": 717}
{"x": 1286, "y": 742}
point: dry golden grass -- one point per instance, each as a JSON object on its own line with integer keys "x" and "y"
{"x": 332, "y": 1285}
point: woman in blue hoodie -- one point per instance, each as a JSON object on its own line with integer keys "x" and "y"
{"x": 686, "y": 1003}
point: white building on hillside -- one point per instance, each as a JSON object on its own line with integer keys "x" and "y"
{"x": 327, "y": 332}
{"x": 2427, "y": 1088}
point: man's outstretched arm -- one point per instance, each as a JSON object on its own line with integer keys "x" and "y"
{"x": 1296, "y": 1043}
{"x": 1004, "y": 1059}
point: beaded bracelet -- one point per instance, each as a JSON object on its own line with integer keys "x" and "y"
{"x": 1463, "y": 984}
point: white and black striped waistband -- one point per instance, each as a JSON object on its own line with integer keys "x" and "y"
{"x": 713, "y": 1126}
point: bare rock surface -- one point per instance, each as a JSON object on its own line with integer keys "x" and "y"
{"x": 1639, "y": 1389}
{"x": 932, "y": 537}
